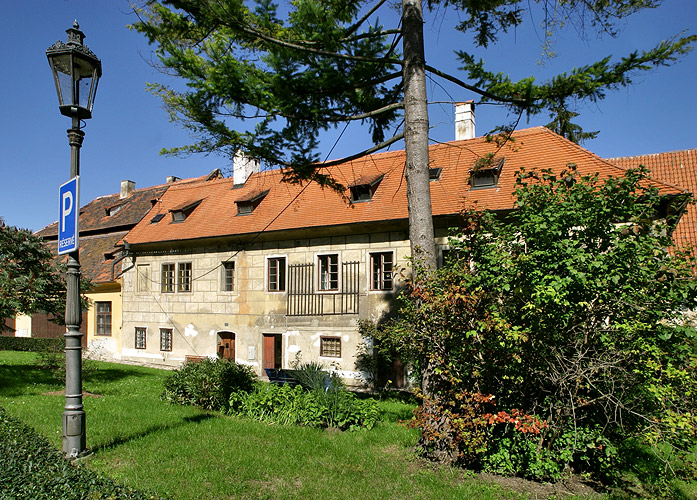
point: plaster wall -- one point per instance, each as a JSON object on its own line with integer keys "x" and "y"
{"x": 250, "y": 311}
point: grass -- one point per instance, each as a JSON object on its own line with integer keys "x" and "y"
{"x": 186, "y": 453}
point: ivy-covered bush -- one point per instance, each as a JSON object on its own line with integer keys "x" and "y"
{"x": 208, "y": 383}
{"x": 31, "y": 468}
{"x": 31, "y": 344}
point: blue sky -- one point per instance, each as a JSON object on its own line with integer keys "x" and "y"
{"x": 129, "y": 127}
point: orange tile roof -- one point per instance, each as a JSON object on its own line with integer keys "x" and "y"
{"x": 291, "y": 206}
{"x": 100, "y": 233}
{"x": 678, "y": 168}
{"x": 97, "y": 254}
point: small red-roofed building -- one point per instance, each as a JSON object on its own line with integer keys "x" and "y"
{"x": 269, "y": 273}
{"x": 104, "y": 222}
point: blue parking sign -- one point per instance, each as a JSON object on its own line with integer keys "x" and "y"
{"x": 68, "y": 220}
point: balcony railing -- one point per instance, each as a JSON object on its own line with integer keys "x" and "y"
{"x": 305, "y": 300}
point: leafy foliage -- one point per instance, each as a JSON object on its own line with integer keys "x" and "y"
{"x": 31, "y": 468}
{"x": 286, "y": 405}
{"x": 208, "y": 383}
{"x": 319, "y": 400}
{"x": 29, "y": 282}
{"x": 558, "y": 334}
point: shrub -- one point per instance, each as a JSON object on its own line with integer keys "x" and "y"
{"x": 285, "y": 405}
{"x": 31, "y": 468}
{"x": 31, "y": 344}
{"x": 568, "y": 311}
{"x": 208, "y": 383}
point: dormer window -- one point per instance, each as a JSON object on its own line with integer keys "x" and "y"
{"x": 157, "y": 218}
{"x": 485, "y": 172}
{"x": 434, "y": 173}
{"x": 113, "y": 210}
{"x": 249, "y": 203}
{"x": 180, "y": 214}
{"x": 364, "y": 188}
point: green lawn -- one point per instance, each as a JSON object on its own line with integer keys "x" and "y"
{"x": 186, "y": 453}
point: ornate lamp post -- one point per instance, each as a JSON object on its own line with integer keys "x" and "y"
{"x": 76, "y": 72}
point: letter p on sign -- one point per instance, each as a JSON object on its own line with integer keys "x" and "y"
{"x": 68, "y": 220}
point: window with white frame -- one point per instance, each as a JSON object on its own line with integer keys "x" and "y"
{"x": 381, "y": 265}
{"x": 328, "y": 266}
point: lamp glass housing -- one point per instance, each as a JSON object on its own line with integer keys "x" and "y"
{"x": 76, "y": 72}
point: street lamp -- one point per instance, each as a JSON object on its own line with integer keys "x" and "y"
{"x": 76, "y": 72}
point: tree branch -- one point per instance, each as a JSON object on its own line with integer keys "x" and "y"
{"x": 477, "y": 90}
{"x": 358, "y": 23}
{"x": 248, "y": 30}
{"x": 366, "y": 152}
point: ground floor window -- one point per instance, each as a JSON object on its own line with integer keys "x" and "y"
{"x": 141, "y": 335}
{"x": 330, "y": 347}
{"x": 165, "y": 339}
{"x": 103, "y": 310}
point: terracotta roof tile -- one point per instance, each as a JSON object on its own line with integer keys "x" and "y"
{"x": 102, "y": 227}
{"x": 678, "y": 168}
{"x": 291, "y": 206}
{"x": 94, "y": 264}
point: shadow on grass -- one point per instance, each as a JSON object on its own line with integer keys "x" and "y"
{"x": 15, "y": 379}
{"x": 153, "y": 429}
{"x": 107, "y": 375}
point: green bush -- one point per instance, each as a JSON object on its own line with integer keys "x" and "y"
{"x": 31, "y": 468}
{"x": 208, "y": 383}
{"x": 31, "y": 344}
{"x": 285, "y": 405}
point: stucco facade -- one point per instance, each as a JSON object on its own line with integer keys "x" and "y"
{"x": 319, "y": 326}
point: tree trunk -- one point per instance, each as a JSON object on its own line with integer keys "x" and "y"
{"x": 421, "y": 236}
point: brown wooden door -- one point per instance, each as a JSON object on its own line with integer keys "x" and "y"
{"x": 272, "y": 351}
{"x": 226, "y": 345}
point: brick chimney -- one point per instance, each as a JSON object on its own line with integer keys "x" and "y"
{"x": 242, "y": 167}
{"x": 464, "y": 121}
{"x": 127, "y": 188}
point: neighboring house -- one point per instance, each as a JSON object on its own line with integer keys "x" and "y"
{"x": 678, "y": 168}
{"x": 103, "y": 223}
{"x": 267, "y": 273}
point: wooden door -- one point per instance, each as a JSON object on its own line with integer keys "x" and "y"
{"x": 226, "y": 345}
{"x": 272, "y": 351}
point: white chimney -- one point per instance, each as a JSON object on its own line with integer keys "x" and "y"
{"x": 172, "y": 178}
{"x": 127, "y": 188}
{"x": 464, "y": 121}
{"x": 242, "y": 167}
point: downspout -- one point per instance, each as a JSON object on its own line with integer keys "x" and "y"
{"x": 126, "y": 253}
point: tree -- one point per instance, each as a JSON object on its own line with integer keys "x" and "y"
{"x": 558, "y": 336}
{"x": 292, "y": 73}
{"x": 29, "y": 282}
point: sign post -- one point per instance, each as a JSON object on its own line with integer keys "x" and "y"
{"x": 69, "y": 218}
